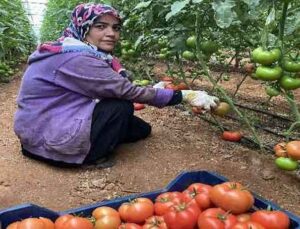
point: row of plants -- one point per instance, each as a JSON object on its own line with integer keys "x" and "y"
{"x": 17, "y": 38}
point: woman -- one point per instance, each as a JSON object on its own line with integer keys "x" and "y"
{"x": 75, "y": 104}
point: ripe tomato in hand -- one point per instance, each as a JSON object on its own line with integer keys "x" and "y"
{"x": 137, "y": 210}
{"x": 231, "y": 196}
{"x": 199, "y": 193}
{"x": 233, "y": 136}
{"x": 216, "y": 218}
{"x": 271, "y": 219}
{"x": 165, "y": 200}
{"x": 138, "y": 106}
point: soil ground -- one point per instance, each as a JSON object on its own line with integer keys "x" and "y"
{"x": 179, "y": 142}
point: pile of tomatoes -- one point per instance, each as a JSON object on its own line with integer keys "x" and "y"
{"x": 288, "y": 155}
{"x": 223, "y": 206}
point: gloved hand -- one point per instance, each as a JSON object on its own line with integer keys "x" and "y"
{"x": 160, "y": 84}
{"x": 200, "y": 99}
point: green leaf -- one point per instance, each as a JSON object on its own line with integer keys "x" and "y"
{"x": 197, "y": 1}
{"x": 251, "y": 3}
{"x": 224, "y": 14}
{"x": 271, "y": 17}
{"x": 142, "y": 5}
{"x": 176, "y": 7}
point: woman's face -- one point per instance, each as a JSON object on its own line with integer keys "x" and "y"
{"x": 104, "y": 33}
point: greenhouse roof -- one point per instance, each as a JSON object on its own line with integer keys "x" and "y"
{"x": 35, "y": 10}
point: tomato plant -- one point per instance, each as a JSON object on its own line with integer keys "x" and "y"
{"x": 271, "y": 219}
{"x": 286, "y": 163}
{"x": 232, "y": 196}
{"x": 209, "y": 47}
{"x": 293, "y": 149}
{"x": 216, "y": 218}
{"x": 266, "y": 73}
{"x": 232, "y": 136}
{"x": 265, "y": 57}
{"x": 137, "y": 210}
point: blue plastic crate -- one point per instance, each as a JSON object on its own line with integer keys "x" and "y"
{"x": 180, "y": 183}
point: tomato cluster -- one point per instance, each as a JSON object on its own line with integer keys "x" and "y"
{"x": 282, "y": 70}
{"x": 288, "y": 155}
{"x": 223, "y": 206}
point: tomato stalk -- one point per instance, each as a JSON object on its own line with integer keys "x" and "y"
{"x": 239, "y": 85}
{"x": 290, "y": 98}
{"x": 282, "y": 24}
{"x": 202, "y": 64}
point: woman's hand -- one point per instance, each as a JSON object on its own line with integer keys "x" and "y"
{"x": 200, "y": 99}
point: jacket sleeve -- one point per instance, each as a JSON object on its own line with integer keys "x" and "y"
{"x": 94, "y": 78}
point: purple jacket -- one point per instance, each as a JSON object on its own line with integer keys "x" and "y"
{"x": 57, "y": 99}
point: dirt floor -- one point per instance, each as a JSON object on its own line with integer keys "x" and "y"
{"x": 179, "y": 142}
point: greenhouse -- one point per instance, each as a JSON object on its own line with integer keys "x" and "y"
{"x": 161, "y": 114}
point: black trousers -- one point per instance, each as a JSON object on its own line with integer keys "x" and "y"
{"x": 113, "y": 123}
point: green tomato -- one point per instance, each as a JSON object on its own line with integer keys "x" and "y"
{"x": 290, "y": 65}
{"x": 268, "y": 73}
{"x": 131, "y": 52}
{"x": 265, "y": 57}
{"x": 289, "y": 83}
{"x": 125, "y": 44}
{"x": 144, "y": 82}
{"x": 188, "y": 55}
{"x": 162, "y": 56}
{"x": 164, "y": 50}
{"x": 209, "y": 47}
{"x": 191, "y": 41}
{"x": 272, "y": 91}
{"x": 162, "y": 42}
{"x": 137, "y": 82}
{"x": 286, "y": 163}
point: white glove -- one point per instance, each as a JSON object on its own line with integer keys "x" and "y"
{"x": 160, "y": 84}
{"x": 200, "y": 99}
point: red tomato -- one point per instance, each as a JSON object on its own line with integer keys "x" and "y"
{"x": 177, "y": 87}
{"x": 13, "y": 225}
{"x": 172, "y": 86}
{"x": 233, "y": 136}
{"x": 165, "y": 200}
{"x": 293, "y": 149}
{"x": 243, "y": 217}
{"x": 182, "y": 215}
{"x": 104, "y": 211}
{"x": 130, "y": 226}
{"x": 271, "y": 219}
{"x": 61, "y": 220}
{"x": 136, "y": 211}
{"x": 216, "y": 218}
{"x": 155, "y": 222}
{"x": 108, "y": 222}
{"x": 280, "y": 149}
{"x": 199, "y": 193}
{"x": 31, "y": 223}
{"x": 167, "y": 78}
{"x": 77, "y": 223}
{"x": 248, "y": 225}
{"x": 48, "y": 224}
{"x": 138, "y": 106}
{"x": 232, "y": 196}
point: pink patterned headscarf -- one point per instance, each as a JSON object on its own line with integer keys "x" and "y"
{"x": 83, "y": 17}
